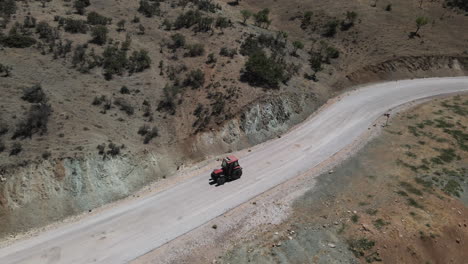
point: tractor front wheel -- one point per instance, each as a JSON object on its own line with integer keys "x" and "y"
{"x": 237, "y": 174}
{"x": 221, "y": 180}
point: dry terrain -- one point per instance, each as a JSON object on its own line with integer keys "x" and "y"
{"x": 402, "y": 199}
{"x": 99, "y": 100}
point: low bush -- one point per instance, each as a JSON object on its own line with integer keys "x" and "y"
{"x": 228, "y": 52}
{"x": 152, "y": 133}
{"x": 261, "y": 70}
{"x": 330, "y": 29}
{"x": 195, "y": 79}
{"x": 195, "y": 50}
{"x": 124, "y": 106}
{"x": 16, "y": 149}
{"x": 114, "y": 150}
{"x": 139, "y": 61}
{"x": 149, "y": 9}
{"x": 95, "y": 18}
{"x": 3, "y": 128}
{"x": 178, "y": 41}
{"x": 99, "y": 34}
{"x": 80, "y": 6}
{"x": 45, "y": 31}
{"x": 7, "y": 8}
{"x": 75, "y": 26}
{"x": 17, "y": 38}
{"x": 35, "y": 121}
{"x": 34, "y": 94}
{"x": 124, "y": 90}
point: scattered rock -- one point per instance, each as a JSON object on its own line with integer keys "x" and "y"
{"x": 365, "y": 227}
{"x": 330, "y": 172}
{"x": 331, "y": 245}
{"x": 458, "y": 241}
{"x": 214, "y": 226}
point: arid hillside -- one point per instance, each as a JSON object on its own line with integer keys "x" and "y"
{"x": 98, "y": 98}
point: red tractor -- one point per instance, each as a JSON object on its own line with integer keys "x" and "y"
{"x": 230, "y": 170}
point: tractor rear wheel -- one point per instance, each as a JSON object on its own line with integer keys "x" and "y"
{"x": 221, "y": 180}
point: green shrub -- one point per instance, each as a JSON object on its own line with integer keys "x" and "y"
{"x": 34, "y": 94}
{"x": 95, "y": 18}
{"x": 17, "y": 38}
{"x": 44, "y": 30}
{"x": 115, "y": 61}
{"x": 359, "y": 246}
{"x": 124, "y": 90}
{"x": 114, "y": 150}
{"x": 228, "y": 52}
{"x": 99, "y": 34}
{"x": 75, "y": 26}
{"x": 222, "y": 22}
{"x": 306, "y": 19}
{"x": 195, "y": 79}
{"x": 195, "y": 50}
{"x": 462, "y": 4}
{"x": 178, "y": 41}
{"x": 35, "y": 121}
{"x": 154, "y": 132}
{"x": 80, "y": 6}
{"x": 5, "y": 69}
{"x": 16, "y": 148}
{"x": 139, "y": 61}
{"x": 149, "y": 9}
{"x": 29, "y": 22}
{"x": 246, "y": 14}
{"x": 3, "y": 128}
{"x": 206, "y": 5}
{"x": 330, "y": 29}
{"x": 124, "y": 106}
{"x": 349, "y": 20}
{"x": 7, "y": 8}
{"x": 262, "y": 19}
{"x": 261, "y": 70}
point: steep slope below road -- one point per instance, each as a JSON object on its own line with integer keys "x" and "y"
{"x": 125, "y": 232}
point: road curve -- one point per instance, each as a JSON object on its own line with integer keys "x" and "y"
{"x": 127, "y": 231}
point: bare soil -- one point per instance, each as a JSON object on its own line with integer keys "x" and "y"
{"x": 381, "y": 205}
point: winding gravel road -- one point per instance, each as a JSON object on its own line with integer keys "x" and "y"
{"x": 131, "y": 229}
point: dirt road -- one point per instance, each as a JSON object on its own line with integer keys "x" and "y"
{"x": 129, "y": 230}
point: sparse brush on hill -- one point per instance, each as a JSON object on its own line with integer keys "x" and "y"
{"x": 35, "y": 121}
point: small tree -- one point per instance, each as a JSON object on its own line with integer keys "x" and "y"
{"x": 121, "y": 25}
{"x": 246, "y": 14}
{"x": 262, "y": 19}
{"x": 349, "y": 20}
{"x": 330, "y": 29}
{"x": 141, "y": 29}
{"x": 80, "y": 6}
{"x": 306, "y": 19}
{"x": 6, "y": 70}
{"x": 99, "y": 34}
{"x": 297, "y": 45}
{"x": 178, "y": 41}
{"x": 420, "y": 22}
